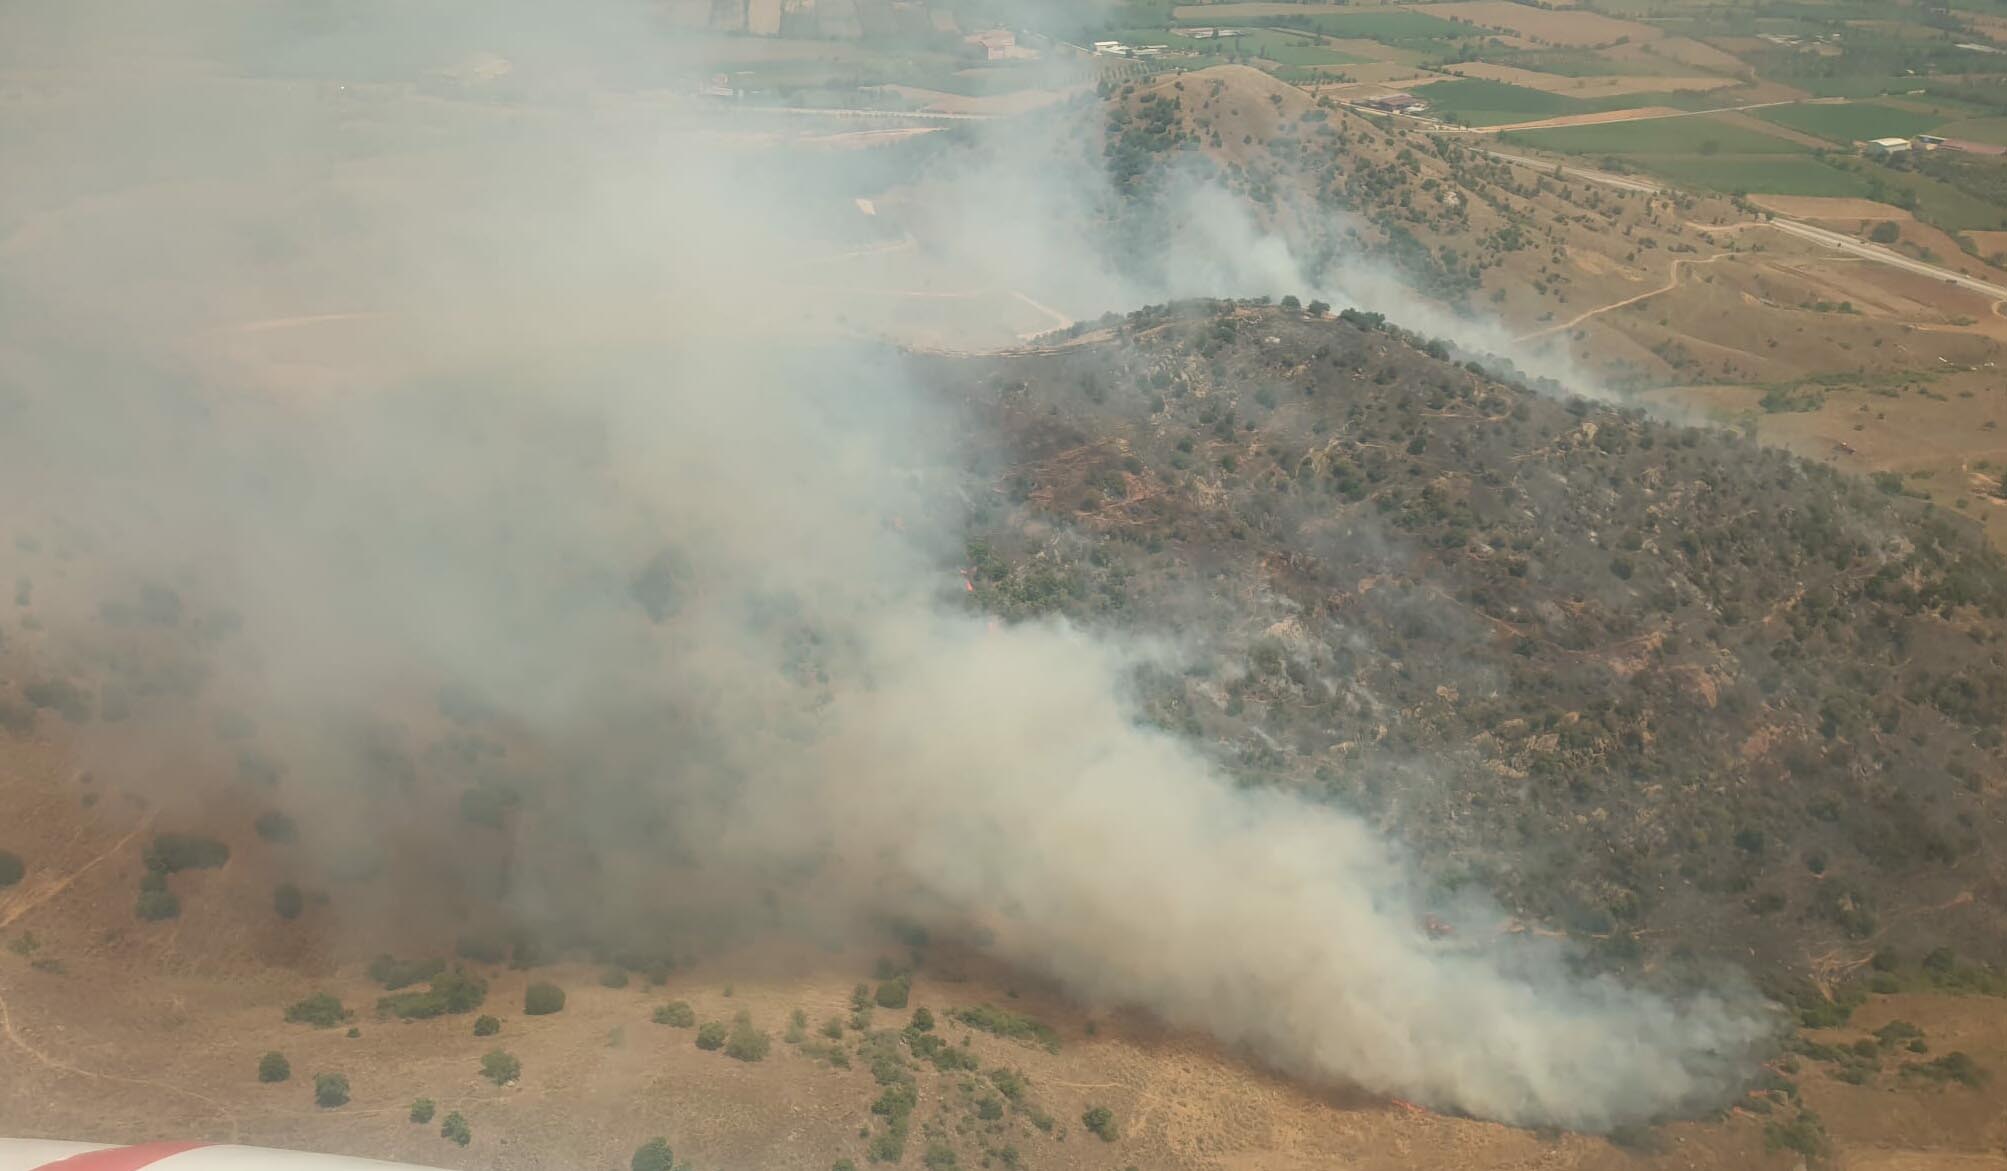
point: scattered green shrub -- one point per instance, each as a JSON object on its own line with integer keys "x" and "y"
{"x": 677, "y": 1013}
{"x": 653, "y": 1155}
{"x": 273, "y": 1067}
{"x": 394, "y": 973}
{"x": 500, "y": 1067}
{"x": 1955, "y": 1066}
{"x": 1100, "y": 1121}
{"x": 320, "y": 1010}
{"x": 288, "y": 901}
{"x": 747, "y": 1043}
{"x": 455, "y": 1128}
{"x": 422, "y": 1110}
{"x": 613, "y": 978}
{"x": 330, "y": 1090}
{"x": 172, "y": 853}
{"x": 711, "y": 1035}
{"x": 1804, "y": 1134}
{"x": 11, "y": 868}
{"x": 450, "y": 992}
{"x": 542, "y": 999}
{"x": 486, "y": 1026}
{"x": 923, "y": 1021}
{"x": 1004, "y": 1023}
{"x": 892, "y": 993}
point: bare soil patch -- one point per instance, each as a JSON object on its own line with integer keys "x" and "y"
{"x": 1642, "y": 113}
{"x": 1829, "y": 207}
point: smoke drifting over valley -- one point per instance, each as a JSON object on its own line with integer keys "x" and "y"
{"x": 535, "y": 389}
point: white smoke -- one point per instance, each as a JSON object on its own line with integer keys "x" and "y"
{"x": 568, "y": 333}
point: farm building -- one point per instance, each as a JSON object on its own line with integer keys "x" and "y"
{"x": 999, "y": 44}
{"x": 1884, "y": 147}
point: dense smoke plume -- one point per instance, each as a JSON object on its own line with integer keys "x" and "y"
{"x": 536, "y": 397}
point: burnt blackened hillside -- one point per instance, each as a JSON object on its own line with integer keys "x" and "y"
{"x": 1654, "y": 684}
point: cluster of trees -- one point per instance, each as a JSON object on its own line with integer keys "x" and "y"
{"x": 171, "y": 853}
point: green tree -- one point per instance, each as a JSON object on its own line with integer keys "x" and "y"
{"x": 1885, "y": 232}
{"x": 677, "y": 1013}
{"x": 330, "y": 1090}
{"x": 456, "y": 1129}
{"x": 923, "y": 1021}
{"x": 652, "y": 1155}
{"x": 320, "y": 1010}
{"x": 712, "y": 1035}
{"x": 542, "y": 999}
{"x": 169, "y": 853}
{"x": 486, "y": 1026}
{"x": 11, "y": 868}
{"x": 747, "y": 1043}
{"x": 892, "y": 993}
{"x": 1100, "y": 1121}
{"x": 273, "y": 1067}
{"x": 500, "y": 1067}
{"x": 288, "y": 901}
{"x": 421, "y": 1111}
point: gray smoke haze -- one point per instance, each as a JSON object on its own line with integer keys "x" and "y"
{"x": 420, "y": 374}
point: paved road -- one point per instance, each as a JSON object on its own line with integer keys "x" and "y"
{"x": 1876, "y": 252}
{"x": 1838, "y": 241}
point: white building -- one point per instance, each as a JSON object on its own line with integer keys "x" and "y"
{"x": 1884, "y": 147}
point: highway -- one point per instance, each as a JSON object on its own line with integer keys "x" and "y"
{"x": 1824, "y": 237}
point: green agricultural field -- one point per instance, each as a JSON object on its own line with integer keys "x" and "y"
{"x": 1698, "y": 136}
{"x": 1745, "y": 175}
{"x": 1934, "y": 197}
{"x": 1279, "y": 47}
{"x": 1703, "y": 153}
{"x": 1588, "y": 63}
{"x": 1283, "y": 48}
{"x": 1389, "y": 26}
{"x": 1477, "y": 102}
{"x": 1851, "y": 121}
{"x": 1988, "y": 130}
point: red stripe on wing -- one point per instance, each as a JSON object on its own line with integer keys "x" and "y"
{"x": 120, "y": 1158}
